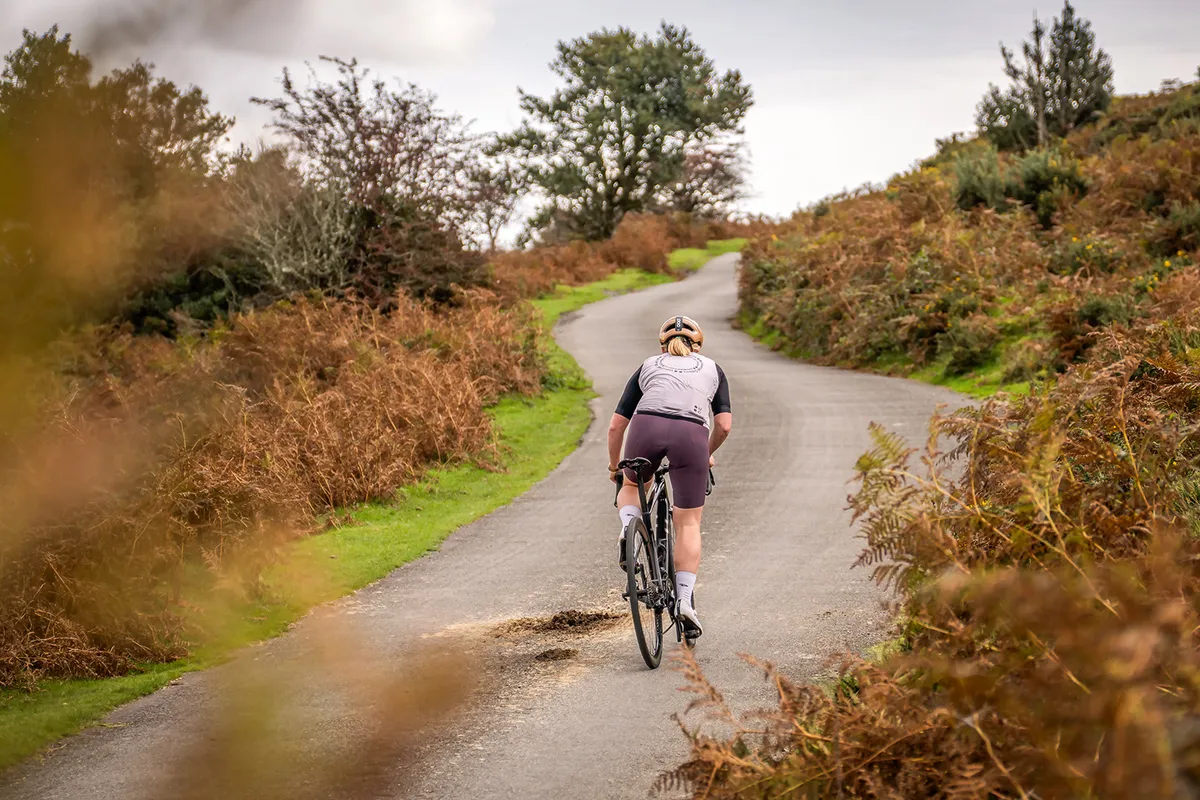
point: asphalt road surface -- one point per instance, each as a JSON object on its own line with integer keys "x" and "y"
{"x": 552, "y": 709}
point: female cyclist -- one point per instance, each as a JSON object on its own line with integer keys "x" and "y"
{"x": 666, "y": 407}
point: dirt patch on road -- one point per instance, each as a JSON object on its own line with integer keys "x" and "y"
{"x": 572, "y": 621}
{"x": 557, "y": 654}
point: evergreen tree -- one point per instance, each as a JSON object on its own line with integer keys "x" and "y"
{"x": 1063, "y": 81}
{"x": 1081, "y": 74}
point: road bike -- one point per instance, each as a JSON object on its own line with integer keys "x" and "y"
{"x": 650, "y": 562}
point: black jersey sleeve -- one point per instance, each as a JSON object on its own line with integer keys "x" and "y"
{"x": 720, "y": 401}
{"x": 632, "y": 396}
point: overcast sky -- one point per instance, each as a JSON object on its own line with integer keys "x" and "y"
{"x": 846, "y": 92}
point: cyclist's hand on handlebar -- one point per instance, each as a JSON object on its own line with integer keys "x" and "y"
{"x": 614, "y": 475}
{"x": 712, "y": 462}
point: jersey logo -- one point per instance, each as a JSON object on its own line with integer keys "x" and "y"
{"x": 695, "y": 366}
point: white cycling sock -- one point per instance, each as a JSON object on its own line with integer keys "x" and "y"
{"x": 628, "y": 513}
{"x": 684, "y": 582}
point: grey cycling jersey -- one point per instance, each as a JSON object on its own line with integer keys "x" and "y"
{"x": 679, "y": 387}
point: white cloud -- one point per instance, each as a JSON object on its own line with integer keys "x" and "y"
{"x": 398, "y": 31}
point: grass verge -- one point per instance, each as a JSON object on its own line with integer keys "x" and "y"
{"x": 981, "y": 383}
{"x": 690, "y": 259}
{"x": 536, "y": 434}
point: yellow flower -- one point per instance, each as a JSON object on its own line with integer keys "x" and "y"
{"x": 1089, "y": 247}
{"x": 1180, "y": 254}
{"x": 1074, "y": 238}
{"x": 1166, "y": 263}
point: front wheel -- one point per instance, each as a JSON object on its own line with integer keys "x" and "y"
{"x": 644, "y": 602}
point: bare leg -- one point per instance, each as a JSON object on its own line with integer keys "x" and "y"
{"x": 628, "y": 496}
{"x": 687, "y": 539}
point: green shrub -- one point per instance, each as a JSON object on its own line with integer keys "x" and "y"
{"x": 809, "y": 323}
{"x": 968, "y": 343}
{"x": 1090, "y": 256}
{"x": 952, "y": 148}
{"x": 1101, "y": 310}
{"x": 1046, "y": 180}
{"x": 921, "y": 275}
{"x": 1178, "y": 231}
{"x": 980, "y": 181}
{"x": 214, "y": 288}
{"x": 1184, "y": 106}
{"x": 1027, "y": 360}
{"x": 1147, "y": 283}
{"x": 400, "y": 247}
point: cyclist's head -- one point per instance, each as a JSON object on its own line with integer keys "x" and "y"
{"x": 680, "y": 336}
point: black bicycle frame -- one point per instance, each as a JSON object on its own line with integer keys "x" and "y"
{"x": 660, "y": 486}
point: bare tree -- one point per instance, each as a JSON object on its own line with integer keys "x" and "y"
{"x": 711, "y": 180}
{"x": 380, "y": 146}
{"x": 402, "y": 165}
{"x": 300, "y": 231}
{"x": 493, "y": 197}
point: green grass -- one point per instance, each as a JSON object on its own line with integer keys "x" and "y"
{"x": 572, "y": 298}
{"x": 690, "y": 259}
{"x": 772, "y": 338}
{"x": 981, "y": 383}
{"x": 536, "y": 434}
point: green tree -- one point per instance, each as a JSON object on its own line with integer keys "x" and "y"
{"x": 616, "y": 134}
{"x": 1002, "y": 117}
{"x": 156, "y": 125}
{"x": 403, "y": 166}
{"x": 40, "y": 77}
{"x": 1064, "y": 81}
{"x": 101, "y": 182}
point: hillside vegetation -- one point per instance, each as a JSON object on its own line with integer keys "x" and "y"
{"x": 992, "y": 269}
{"x": 1045, "y": 545}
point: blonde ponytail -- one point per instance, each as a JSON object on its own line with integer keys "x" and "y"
{"x": 679, "y": 346}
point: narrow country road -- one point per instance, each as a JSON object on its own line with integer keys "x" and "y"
{"x": 568, "y": 712}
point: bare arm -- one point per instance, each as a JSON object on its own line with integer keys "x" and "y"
{"x": 616, "y": 437}
{"x": 722, "y": 425}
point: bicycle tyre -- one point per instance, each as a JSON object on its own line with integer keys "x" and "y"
{"x": 642, "y": 577}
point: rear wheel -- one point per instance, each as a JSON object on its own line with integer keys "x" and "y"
{"x": 645, "y": 601}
